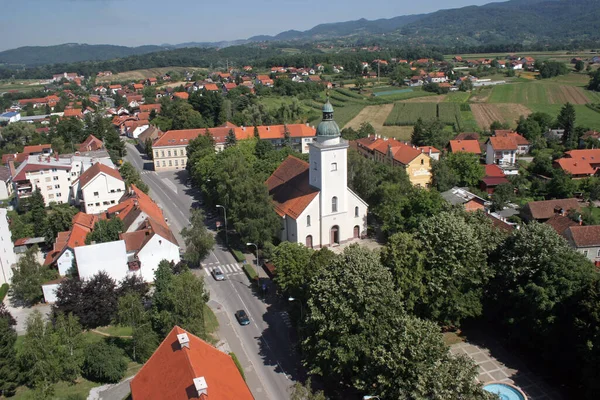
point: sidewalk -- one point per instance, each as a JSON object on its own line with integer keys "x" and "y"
{"x": 251, "y": 260}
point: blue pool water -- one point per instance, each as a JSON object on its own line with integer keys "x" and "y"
{"x": 506, "y": 392}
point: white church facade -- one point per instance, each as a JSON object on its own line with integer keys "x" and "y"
{"x": 313, "y": 199}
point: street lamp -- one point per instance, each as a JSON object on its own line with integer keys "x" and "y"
{"x": 255, "y": 245}
{"x": 371, "y": 397}
{"x": 225, "y": 216}
{"x": 290, "y": 299}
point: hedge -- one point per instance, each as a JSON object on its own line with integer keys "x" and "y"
{"x": 237, "y": 364}
{"x": 237, "y": 254}
{"x": 250, "y": 270}
{"x": 3, "y": 291}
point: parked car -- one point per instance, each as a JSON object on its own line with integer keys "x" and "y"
{"x": 242, "y": 317}
{"x": 218, "y": 275}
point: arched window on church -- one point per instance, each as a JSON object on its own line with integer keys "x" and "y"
{"x": 334, "y": 204}
{"x": 308, "y": 220}
{"x": 356, "y": 211}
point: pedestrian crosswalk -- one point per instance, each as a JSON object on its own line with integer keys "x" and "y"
{"x": 146, "y": 172}
{"x": 226, "y": 269}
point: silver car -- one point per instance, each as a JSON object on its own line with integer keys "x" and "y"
{"x": 218, "y": 275}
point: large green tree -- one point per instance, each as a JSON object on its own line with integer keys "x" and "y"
{"x": 28, "y": 276}
{"x": 131, "y": 176}
{"x": 9, "y": 372}
{"x": 198, "y": 240}
{"x": 430, "y": 133}
{"x": 131, "y": 312}
{"x": 566, "y": 121}
{"x": 465, "y": 167}
{"x": 67, "y": 331}
{"x": 293, "y": 269}
{"x": 105, "y": 230}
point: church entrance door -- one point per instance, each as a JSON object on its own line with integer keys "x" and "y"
{"x": 356, "y": 232}
{"x": 335, "y": 235}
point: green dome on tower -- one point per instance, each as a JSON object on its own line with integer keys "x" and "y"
{"x": 328, "y": 127}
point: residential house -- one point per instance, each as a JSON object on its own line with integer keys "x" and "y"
{"x": 134, "y": 128}
{"x": 494, "y": 176}
{"x": 186, "y": 367}
{"x": 577, "y": 168}
{"x": 437, "y": 77}
{"x": 70, "y": 76}
{"x": 542, "y": 211}
{"x": 149, "y": 108}
{"x": 415, "y": 160}
{"x": 465, "y": 146}
{"x": 73, "y": 113}
{"x": 114, "y": 88}
{"x": 6, "y": 186}
{"x": 461, "y": 196}
{"x": 52, "y": 175}
{"x": 7, "y": 252}
{"x": 501, "y": 151}
{"x": 523, "y": 145}
{"x": 134, "y": 100}
{"x": 313, "y": 200}
{"x": 91, "y": 143}
{"x": 181, "y": 95}
{"x": 432, "y": 152}
{"x": 151, "y": 81}
{"x": 40, "y": 149}
{"x": 586, "y": 240}
{"x": 170, "y": 148}
{"x": 138, "y": 87}
{"x": 98, "y": 188}
{"x": 211, "y": 87}
{"x": 10, "y": 117}
{"x": 151, "y": 133}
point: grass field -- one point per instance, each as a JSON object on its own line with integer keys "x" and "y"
{"x": 376, "y": 116}
{"x": 583, "y": 115}
{"x": 539, "y": 92}
{"x": 405, "y": 114}
{"x": 20, "y": 85}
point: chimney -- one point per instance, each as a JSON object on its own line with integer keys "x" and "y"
{"x": 201, "y": 386}
{"x": 184, "y": 341}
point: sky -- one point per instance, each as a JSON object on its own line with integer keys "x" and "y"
{"x": 135, "y": 22}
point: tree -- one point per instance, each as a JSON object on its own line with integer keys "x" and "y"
{"x": 37, "y": 207}
{"x": 230, "y": 140}
{"x": 464, "y": 167}
{"x": 430, "y": 133}
{"x": 105, "y": 230}
{"x": 99, "y": 301}
{"x": 579, "y": 66}
{"x": 58, "y": 219}
{"x": 198, "y": 240}
{"x": 39, "y": 356}
{"x": 304, "y": 391}
{"x": 178, "y": 300}
{"x": 133, "y": 283}
{"x": 536, "y": 272}
{"x": 455, "y": 267}
{"x": 593, "y": 85}
{"x": 403, "y": 257}
{"x": 69, "y": 297}
{"x": 294, "y": 269}
{"x": 28, "y": 276}
{"x": 359, "y": 83}
{"x": 466, "y": 85}
{"x": 70, "y": 344}
{"x": 104, "y": 363}
{"x": 131, "y": 176}
{"x": 503, "y": 194}
{"x": 9, "y": 374}
{"x": 131, "y": 313}
{"x": 358, "y": 335}
{"x": 566, "y": 121}
{"x": 561, "y": 185}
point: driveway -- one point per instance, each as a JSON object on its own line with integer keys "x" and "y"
{"x": 22, "y": 313}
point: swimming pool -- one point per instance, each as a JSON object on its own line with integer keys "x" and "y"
{"x": 505, "y": 391}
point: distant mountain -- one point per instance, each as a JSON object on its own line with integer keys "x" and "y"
{"x": 340, "y": 29}
{"x": 522, "y": 22}
{"x": 71, "y": 52}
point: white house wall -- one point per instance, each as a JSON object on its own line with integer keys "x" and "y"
{"x": 156, "y": 250}
{"x": 110, "y": 257}
{"x": 109, "y": 189}
{"x": 50, "y": 292}
{"x": 8, "y": 257}
{"x": 314, "y": 229}
{"x": 65, "y": 262}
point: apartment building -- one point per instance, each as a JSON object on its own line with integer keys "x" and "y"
{"x": 53, "y": 176}
{"x": 7, "y": 250}
{"x": 169, "y": 150}
{"x": 98, "y": 188}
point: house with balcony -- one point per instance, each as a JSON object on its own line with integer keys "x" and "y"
{"x": 98, "y": 188}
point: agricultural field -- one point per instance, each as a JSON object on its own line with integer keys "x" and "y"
{"x": 20, "y": 85}
{"x": 539, "y": 92}
{"x": 376, "y": 116}
{"x": 140, "y": 74}
{"x": 404, "y": 114}
{"x": 485, "y": 114}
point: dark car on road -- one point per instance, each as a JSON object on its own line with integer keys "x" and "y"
{"x": 242, "y": 317}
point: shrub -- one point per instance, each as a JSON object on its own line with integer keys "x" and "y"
{"x": 237, "y": 364}
{"x": 104, "y": 363}
{"x": 3, "y": 291}
{"x": 237, "y": 254}
{"x": 250, "y": 271}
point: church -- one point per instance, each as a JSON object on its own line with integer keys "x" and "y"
{"x": 313, "y": 199}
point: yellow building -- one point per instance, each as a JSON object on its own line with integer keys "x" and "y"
{"x": 416, "y": 161}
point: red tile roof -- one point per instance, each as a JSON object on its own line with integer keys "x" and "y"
{"x": 584, "y": 236}
{"x": 466, "y": 146}
{"x": 560, "y": 223}
{"x": 575, "y": 166}
{"x": 73, "y": 112}
{"x": 502, "y": 143}
{"x": 426, "y": 149}
{"x": 85, "y": 220}
{"x": 36, "y": 149}
{"x": 36, "y": 167}
{"x": 149, "y": 107}
{"x": 95, "y": 170}
{"x": 181, "y": 95}
{"x": 92, "y": 143}
{"x": 171, "y": 370}
{"x": 290, "y": 189}
{"x": 591, "y": 155}
{"x": 519, "y": 140}
{"x": 545, "y": 209}
{"x": 211, "y": 87}
{"x": 492, "y": 170}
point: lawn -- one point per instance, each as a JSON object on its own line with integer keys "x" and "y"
{"x": 551, "y": 91}
{"x": 115, "y": 330}
{"x": 583, "y": 115}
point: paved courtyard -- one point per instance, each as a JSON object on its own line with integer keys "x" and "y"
{"x": 496, "y": 364}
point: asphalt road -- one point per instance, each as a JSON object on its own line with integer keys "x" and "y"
{"x": 264, "y": 346}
